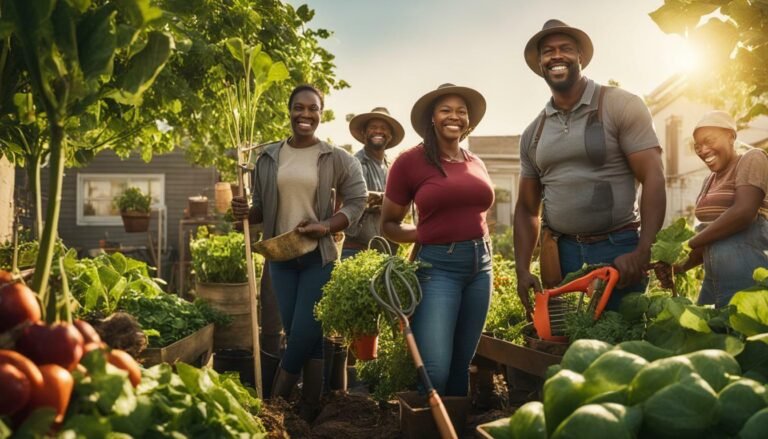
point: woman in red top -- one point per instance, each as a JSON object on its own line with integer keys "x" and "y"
{"x": 452, "y": 192}
{"x": 732, "y": 207}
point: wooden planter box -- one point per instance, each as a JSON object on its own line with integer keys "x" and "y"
{"x": 189, "y": 349}
{"x": 520, "y": 357}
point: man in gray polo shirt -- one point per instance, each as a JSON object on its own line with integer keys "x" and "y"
{"x": 377, "y": 131}
{"x": 583, "y": 166}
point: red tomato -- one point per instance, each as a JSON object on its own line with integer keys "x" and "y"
{"x": 86, "y": 330}
{"x": 24, "y": 364}
{"x": 15, "y": 389}
{"x": 17, "y": 304}
{"x": 60, "y": 343}
{"x": 123, "y": 360}
{"x": 55, "y": 391}
{"x": 88, "y": 347}
{"x": 5, "y": 277}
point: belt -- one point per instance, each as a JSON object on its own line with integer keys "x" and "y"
{"x": 587, "y": 238}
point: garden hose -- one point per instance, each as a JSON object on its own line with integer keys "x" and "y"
{"x": 391, "y": 303}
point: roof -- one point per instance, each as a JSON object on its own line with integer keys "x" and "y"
{"x": 495, "y": 146}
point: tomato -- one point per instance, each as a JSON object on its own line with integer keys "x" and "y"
{"x": 55, "y": 391}
{"x": 86, "y": 330}
{"x": 17, "y": 304}
{"x": 15, "y": 389}
{"x": 123, "y": 360}
{"x": 5, "y": 277}
{"x": 24, "y": 364}
{"x": 88, "y": 347}
{"x": 60, "y": 343}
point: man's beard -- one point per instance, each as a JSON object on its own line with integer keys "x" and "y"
{"x": 369, "y": 144}
{"x": 574, "y": 72}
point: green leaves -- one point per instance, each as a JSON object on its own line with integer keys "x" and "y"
{"x": 670, "y": 242}
{"x": 96, "y": 42}
{"x": 143, "y": 68}
{"x": 678, "y": 16}
{"x": 221, "y": 258}
{"x": 751, "y": 316}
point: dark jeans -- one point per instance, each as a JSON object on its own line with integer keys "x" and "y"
{"x": 730, "y": 262}
{"x": 573, "y": 255}
{"x": 449, "y": 320}
{"x": 298, "y": 286}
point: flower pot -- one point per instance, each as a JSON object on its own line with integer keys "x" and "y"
{"x": 365, "y": 347}
{"x": 198, "y": 206}
{"x": 135, "y": 222}
{"x": 223, "y": 198}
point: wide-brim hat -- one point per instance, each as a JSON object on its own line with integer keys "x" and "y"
{"x": 555, "y": 26}
{"x": 420, "y": 113}
{"x": 358, "y": 123}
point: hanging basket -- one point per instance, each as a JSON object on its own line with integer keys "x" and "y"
{"x": 135, "y": 222}
{"x": 365, "y": 347}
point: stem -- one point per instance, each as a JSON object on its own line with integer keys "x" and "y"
{"x": 65, "y": 291}
{"x": 33, "y": 173}
{"x": 48, "y": 240}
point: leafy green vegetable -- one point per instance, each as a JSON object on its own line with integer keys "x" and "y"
{"x": 634, "y": 306}
{"x": 392, "y": 371}
{"x": 506, "y": 315}
{"x": 739, "y": 401}
{"x": 658, "y": 375}
{"x": 168, "y": 318}
{"x": 670, "y": 245}
{"x": 751, "y": 315}
{"x": 756, "y": 426}
{"x": 221, "y": 258}
{"x": 611, "y": 327}
{"x": 599, "y": 421}
{"x": 528, "y": 422}
{"x": 715, "y": 367}
{"x": 684, "y": 409}
{"x": 612, "y": 371}
{"x": 581, "y": 353}
{"x": 644, "y": 349}
{"x": 563, "y": 393}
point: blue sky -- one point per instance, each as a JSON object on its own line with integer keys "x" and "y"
{"x": 394, "y": 51}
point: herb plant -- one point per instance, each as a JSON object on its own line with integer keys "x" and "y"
{"x": 133, "y": 200}
{"x": 393, "y": 371}
{"x": 506, "y": 315}
{"x": 221, "y": 258}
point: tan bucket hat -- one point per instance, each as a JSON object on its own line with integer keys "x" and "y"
{"x": 358, "y": 123}
{"x": 475, "y": 106}
{"x": 718, "y": 119}
{"x": 554, "y": 26}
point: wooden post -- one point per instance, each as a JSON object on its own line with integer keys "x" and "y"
{"x": 252, "y": 290}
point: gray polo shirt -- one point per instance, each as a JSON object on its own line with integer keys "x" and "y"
{"x": 583, "y": 194}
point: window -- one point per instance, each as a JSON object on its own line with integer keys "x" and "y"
{"x": 95, "y": 193}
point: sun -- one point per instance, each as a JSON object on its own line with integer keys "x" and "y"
{"x": 688, "y": 57}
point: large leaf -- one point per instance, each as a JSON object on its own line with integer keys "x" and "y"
{"x": 751, "y": 315}
{"x": 670, "y": 245}
{"x": 684, "y": 409}
{"x": 678, "y": 16}
{"x": 613, "y": 371}
{"x": 96, "y": 42}
{"x": 582, "y": 353}
{"x": 143, "y": 68}
{"x": 740, "y": 400}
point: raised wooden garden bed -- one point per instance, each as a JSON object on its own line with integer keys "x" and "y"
{"x": 520, "y": 357}
{"x": 194, "y": 349}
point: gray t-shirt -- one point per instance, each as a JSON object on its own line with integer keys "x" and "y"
{"x": 375, "y": 174}
{"x": 589, "y": 189}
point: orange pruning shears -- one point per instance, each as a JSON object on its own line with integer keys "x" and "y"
{"x": 551, "y": 307}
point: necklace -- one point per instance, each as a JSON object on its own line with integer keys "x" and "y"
{"x": 454, "y": 159}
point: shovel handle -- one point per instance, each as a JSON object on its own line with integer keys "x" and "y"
{"x": 443, "y": 421}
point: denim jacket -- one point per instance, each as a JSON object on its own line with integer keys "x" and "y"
{"x": 336, "y": 169}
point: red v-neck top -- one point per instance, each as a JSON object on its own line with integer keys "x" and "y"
{"x": 450, "y": 209}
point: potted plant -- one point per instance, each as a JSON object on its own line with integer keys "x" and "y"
{"x": 134, "y": 208}
{"x": 219, "y": 265}
{"x": 347, "y": 308}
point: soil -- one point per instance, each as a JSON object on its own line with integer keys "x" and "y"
{"x": 357, "y": 416}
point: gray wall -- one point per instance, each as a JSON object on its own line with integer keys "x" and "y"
{"x": 182, "y": 180}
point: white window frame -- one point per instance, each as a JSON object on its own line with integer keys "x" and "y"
{"x": 114, "y": 220}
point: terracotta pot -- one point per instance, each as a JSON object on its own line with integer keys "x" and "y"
{"x": 365, "y": 347}
{"x": 135, "y": 222}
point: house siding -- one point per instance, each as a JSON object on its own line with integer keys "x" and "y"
{"x": 182, "y": 180}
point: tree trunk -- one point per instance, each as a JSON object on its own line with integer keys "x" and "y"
{"x": 6, "y": 199}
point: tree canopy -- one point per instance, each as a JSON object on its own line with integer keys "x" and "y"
{"x": 733, "y": 40}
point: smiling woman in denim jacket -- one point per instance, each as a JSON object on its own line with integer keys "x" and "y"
{"x": 452, "y": 192}
{"x": 292, "y": 186}
{"x": 733, "y": 210}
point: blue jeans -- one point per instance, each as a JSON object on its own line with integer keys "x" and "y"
{"x": 730, "y": 262}
{"x": 573, "y": 255}
{"x": 298, "y": 284}
{"x": 449, "y": 320}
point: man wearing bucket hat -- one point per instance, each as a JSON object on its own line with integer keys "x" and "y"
{"x": 581, "y": 159}
{"x": 732, "y": 208}
{"x": 377, "y": 131}
{"x": 452, "y": 192}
